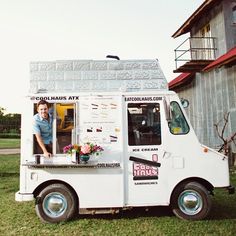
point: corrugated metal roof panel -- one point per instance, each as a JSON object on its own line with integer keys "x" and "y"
{"x": 227, "y": 58}
{"x": 180, "y": 80}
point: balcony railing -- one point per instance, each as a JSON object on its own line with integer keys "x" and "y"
{"x": 194, "y": 54}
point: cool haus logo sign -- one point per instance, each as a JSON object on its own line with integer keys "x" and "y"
{"x": 142, "y": 99}
{"x": 145, "y": 169}
{"x": 55, "y": 98}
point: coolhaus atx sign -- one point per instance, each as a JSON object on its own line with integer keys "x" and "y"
{"x": 55, "y": 98}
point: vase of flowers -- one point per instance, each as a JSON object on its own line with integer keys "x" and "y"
{"x": 82, "y": 152}
{"x": 84, "y": 158}
{"x": 72, "y": 151}
{"x": 89, "y": 149}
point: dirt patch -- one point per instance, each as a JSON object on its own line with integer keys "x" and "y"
{"x": 10, "y": 151}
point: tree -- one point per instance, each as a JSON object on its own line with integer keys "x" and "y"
{"x": 2, "y": 110}
{"x": 226, "y": 145}
{"x": 9, "y": 122}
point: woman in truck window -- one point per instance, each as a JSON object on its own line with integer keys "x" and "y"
{"x": 42, "y": 129}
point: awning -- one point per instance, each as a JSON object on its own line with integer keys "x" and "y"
{"x": 202, "y": 11}
{"x": 228, "y": 58}
{"x": 182, "y": 79}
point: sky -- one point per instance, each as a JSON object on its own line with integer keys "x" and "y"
{"x": 48, "y": 30}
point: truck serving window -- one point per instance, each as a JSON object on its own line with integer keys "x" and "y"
{"x": 63, "y": 125}
{"x": 178, "y": 123}
{"x": 144, "y": 126}
{"x": 65, "y": 119}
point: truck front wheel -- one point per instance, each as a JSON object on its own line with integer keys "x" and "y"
{"x": 191, "y": 201}
{"x": 56, "y": 203}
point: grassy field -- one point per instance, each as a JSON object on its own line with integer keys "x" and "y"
{"x": 20, "y": 218}
{"x": 9, "y": 143}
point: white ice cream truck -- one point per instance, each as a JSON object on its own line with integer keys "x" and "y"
{"x": 151, "y": 155}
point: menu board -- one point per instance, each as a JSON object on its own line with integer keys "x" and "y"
{"x": 100, "y": 120}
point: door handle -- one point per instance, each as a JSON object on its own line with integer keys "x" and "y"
{"x": 144, "y": 161}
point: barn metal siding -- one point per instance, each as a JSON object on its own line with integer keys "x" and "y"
{"x": 211, "y": 95}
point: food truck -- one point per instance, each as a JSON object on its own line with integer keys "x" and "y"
{"x": 150, "y": 155}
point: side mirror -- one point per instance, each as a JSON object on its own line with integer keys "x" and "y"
{"x": 184, "y": 102}
{"x": 166, "y": 103}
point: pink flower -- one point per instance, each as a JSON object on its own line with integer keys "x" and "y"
{"x": 68, "y": 149}
{"x": 86, "y": 149}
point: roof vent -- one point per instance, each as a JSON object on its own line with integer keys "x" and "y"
{"x": 113, "y": 57}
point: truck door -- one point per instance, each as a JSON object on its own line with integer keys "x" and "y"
{"x": 144, "y": 150}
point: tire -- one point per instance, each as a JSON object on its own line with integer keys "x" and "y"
{"x": 56, "y": 203}
{"x": 191, "y": 201}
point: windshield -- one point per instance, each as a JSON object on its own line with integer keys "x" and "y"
{"x": 178, "y": 123}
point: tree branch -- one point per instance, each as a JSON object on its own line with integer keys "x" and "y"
{"x": 226, "y": 119}
{"x": 226, "y": 141}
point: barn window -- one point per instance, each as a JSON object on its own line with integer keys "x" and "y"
{"x": 234, "y": 14}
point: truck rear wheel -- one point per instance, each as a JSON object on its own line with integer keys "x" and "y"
{"x": 56, "y": 203}
{"x": 191, "y": 201}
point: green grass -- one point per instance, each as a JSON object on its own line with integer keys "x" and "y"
{"x": 20, "y": 218}
{"x": 9, "y": 143}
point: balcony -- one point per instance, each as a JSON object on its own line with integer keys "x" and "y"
{"x": 194, "y": 54}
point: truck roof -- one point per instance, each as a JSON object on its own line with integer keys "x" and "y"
{"x": 68, "y": 76}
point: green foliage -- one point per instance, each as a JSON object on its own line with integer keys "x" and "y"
{"x": 9, "y": 123}
{"x": 2, "y": 110}
{"x": 20, "y": 218}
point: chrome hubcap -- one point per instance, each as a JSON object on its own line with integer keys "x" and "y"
{"x": 190, "y": 202}
{"x": 54, "y": 205}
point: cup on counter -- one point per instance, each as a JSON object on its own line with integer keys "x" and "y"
{"x": 37, "y": 159}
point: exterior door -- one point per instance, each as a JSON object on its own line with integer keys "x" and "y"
{"x": 208, "y": 52}
{"x": 143, "y": 150}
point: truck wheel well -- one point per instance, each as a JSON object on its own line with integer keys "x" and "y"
{"x": 47, "y": 183}
{"x": 201, "y": 181}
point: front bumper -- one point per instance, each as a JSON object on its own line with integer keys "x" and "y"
{"x": 21, "y": 197}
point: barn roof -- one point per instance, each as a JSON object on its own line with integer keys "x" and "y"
{"x": 182, "y": 79}
{"x": 228, "y": 58}
{"x": 195, "y": 17}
